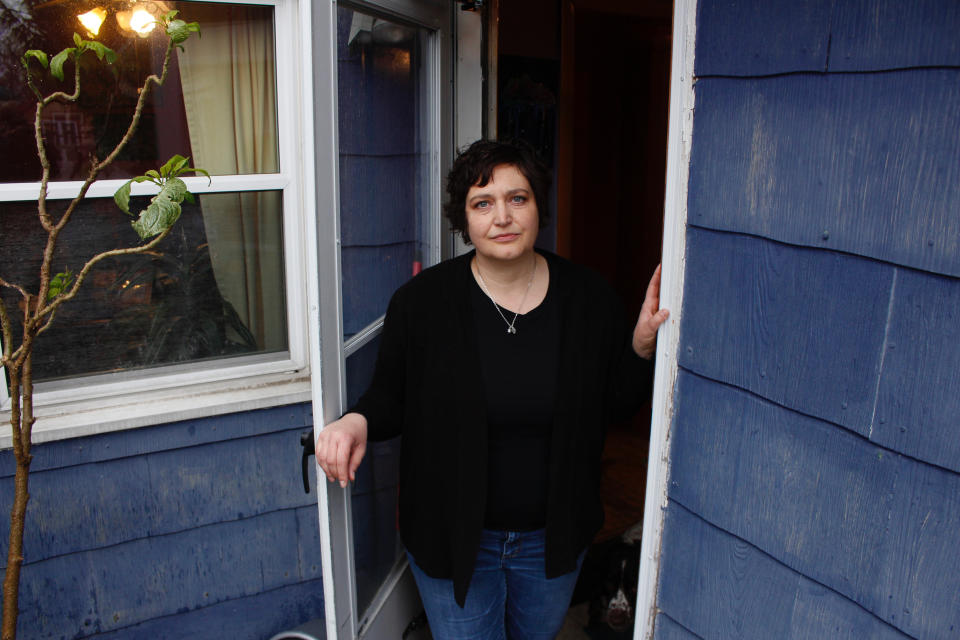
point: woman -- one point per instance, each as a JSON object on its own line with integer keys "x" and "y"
{"x": 501, "y": 369}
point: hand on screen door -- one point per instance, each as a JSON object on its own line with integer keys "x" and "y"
{"x": 341, "y": 446}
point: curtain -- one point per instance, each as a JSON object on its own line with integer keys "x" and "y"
{"x": 229, "y": 94}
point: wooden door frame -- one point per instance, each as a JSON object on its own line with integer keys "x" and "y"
{"x": 679, "y": 136}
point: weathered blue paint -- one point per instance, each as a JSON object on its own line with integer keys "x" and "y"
{"x": 859, "y": 163}
{"x": 78, "y": 508}
{"x": 801, "y": 327}
{"x": 815, "y": 448}
{"x": 721, "y": 587}
{"x": 870, "y": 35}
{"x": 755, "y": 38}
{"x": 123, "y": 539}
{"x": 864, "y": 360}
{"x": 872, "y": 525}
{"x": 668, "y": 629}
{"x": 918, "y": 398}
{"x": 258, "y": 617}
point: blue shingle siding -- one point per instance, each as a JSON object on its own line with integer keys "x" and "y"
{"x": 750, "y": 38}
{"x": 668, "y": 629}
{"x": 754, "y": 38}
{"x": 127, "y": 533}
{"x": 874, "y": 526}
{"x": 860, "y": 163}
{"x": 722, "y": 587}
{"x": 815, "y": 446}
{"x": 877, "y": 35}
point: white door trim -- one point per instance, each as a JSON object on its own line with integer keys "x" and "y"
{"x": 671, "y": 296}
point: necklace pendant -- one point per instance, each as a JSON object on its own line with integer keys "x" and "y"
{"x": 511, "y": 329}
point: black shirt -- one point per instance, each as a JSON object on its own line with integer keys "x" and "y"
{"x": 519, "y": 374}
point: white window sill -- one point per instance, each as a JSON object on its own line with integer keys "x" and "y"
{"x": 58, "y": 421}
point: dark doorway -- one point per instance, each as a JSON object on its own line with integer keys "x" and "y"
{"x": 587, "y": 83}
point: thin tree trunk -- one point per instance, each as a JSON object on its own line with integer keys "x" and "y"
{"x": 11, "y": 581}
{"x": 21, "y": 495}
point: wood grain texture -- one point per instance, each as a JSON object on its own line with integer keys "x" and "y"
{"x": 758, "y": 37}
{"x": 918, "y": 398}
{"x": 719, "y": 586}
{"x": 252, "y": 618}
{"x": 116, "y": 587}
{"x": 877, "y": 527}
{"x": 872, "y": 35}
{"x": 860, "y": 163}
{"x": 801, "y": 327}
{"x": 668, "y": 629}
{"x": 92, "y": 506}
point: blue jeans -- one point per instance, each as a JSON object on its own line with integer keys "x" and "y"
{"x": 509, "y": 595}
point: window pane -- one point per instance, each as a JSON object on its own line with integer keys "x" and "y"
{"x": 218, "y": 105}
{"x": 213, "y": 288}
{"x": 374, "y": 494}
{"x": 384, "y": 160}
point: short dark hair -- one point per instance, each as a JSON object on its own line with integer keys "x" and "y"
{"x": 474, "y": 166}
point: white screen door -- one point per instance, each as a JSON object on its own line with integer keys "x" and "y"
{"x": 383, "y": 65}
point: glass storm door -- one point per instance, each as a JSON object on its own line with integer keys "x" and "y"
{"x": 376, "y": 229}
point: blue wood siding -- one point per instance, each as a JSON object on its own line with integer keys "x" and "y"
{"x": 749, "y": 38}
{"x": 752, "y": 38}
{"x": 201, "y": 525}
{"x": 726, "y": 588}
{"x": 668, "y": 629}
{"x": 815, "y": 446}
{"x": 874, "y": 526}
{"x": 859, "y": 163}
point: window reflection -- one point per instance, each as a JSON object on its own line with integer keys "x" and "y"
{"x": 218, "y": 104}
{"x": 215, "y": 287}
{"x": 178, "y": 303}
{"x": 384, "y": 162}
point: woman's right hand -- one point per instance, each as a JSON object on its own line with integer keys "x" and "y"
{"x": 340, "y": 447}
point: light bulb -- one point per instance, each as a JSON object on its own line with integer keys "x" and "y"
{"x": 91, "y": 20}
{"x": 142, "y": 22}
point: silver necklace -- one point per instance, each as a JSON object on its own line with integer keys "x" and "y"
{"x": 511, "y": 328}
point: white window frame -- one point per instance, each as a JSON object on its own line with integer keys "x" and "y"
{"x": 101, "y": 403}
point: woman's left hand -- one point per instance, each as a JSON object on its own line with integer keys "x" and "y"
{"x": 651, "y": 317}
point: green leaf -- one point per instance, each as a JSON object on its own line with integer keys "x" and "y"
{"x": 59, "y": 284}
{"x": 153, "y": 175}
{"x": 173, "y": 166}
{"x": 177, "y": 189}
{"x": 203, "y": 171}
{"x": 102, "y": 51}
{"x": 179, "y": 31}
{"x": 170, "y": 15}
{"x": 56, "y": 64}
{"x": 77, "y": 40}
{"x": 122, "y": 195}
{"x": 163, "y": 211}
{"x": 189, "y": 198}
{"x": 37, "y": 55}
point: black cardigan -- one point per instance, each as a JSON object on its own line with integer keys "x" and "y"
{"x": 427, "y": 387}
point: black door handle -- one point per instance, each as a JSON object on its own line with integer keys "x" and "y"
{"x": 306, "y": 441}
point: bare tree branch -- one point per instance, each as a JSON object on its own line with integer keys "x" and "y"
{"x": 41, "y": 312}
{"x": 12, "y": 285}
